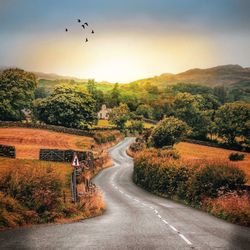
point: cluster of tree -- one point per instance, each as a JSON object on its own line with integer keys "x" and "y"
{"x": 69, "y": 106}
{"x": 204, "y": 110}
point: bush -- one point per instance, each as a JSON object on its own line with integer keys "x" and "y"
{"x": 106, "y": 136}
{"x": 236, "y": 157}
{"x": 212, "y": 177}
{"x": 161, "y": 171}
{"x": 37, "y": 189}
{"x": 137, "y": 146}
{"x": 12, "y": 213}
{"x": 168, "y": 132}
{"x": 136, "y": 127}
{"x": 233, "y": 207}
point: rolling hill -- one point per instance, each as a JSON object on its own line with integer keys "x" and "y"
{"x": 232, "y": 76}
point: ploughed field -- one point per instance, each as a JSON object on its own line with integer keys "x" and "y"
{"x": 195, "y": 151}
{"x": 28, "y": 141}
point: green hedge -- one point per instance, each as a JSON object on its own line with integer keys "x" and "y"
{"x": 160, "y": 171}
{"x": 106, "y": 136}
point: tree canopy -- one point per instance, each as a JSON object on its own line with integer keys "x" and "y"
{"x": 67, "y": 106}
{"x": 232, "y": 120}
{"x": 16, "y": 93}
{"x": 120, "y": 115}
{"x": 168, "y": 132}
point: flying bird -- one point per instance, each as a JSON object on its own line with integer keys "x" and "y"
{"x": 92, "y": 32}
{"x": 66, "y": 30}
{"x": 86, "y": 24}
{"x": 79, "y": 20}
{"x": 86, "y": 40}
{"x": 83, "y": 26}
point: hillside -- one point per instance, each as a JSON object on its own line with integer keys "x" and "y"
{"x": 232, "y": 76}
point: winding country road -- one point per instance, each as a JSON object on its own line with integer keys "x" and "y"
{"x": 134, "y": 219}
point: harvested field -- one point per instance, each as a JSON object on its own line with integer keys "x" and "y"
{"x": 196, "y": 151}
{"x": 29, "y": 141}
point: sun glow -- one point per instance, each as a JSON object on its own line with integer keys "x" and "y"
{"x": 116, "y": 58}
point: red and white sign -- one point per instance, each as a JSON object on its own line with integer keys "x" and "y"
{"x": 75, "y": 162}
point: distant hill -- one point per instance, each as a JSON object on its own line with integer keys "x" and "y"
{"x": 48, "y": 76}
{"x": 231, "y": 76}
{"x": 52, "y": 76}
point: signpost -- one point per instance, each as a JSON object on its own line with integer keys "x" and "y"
{"x": 75, "y": 164}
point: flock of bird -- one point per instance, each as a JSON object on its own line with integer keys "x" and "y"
{"x": 84, "y": 25}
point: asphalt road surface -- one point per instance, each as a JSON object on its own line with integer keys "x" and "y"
{"x": 134, "y": 219}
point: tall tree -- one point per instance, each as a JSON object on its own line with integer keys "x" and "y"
{"x": 168, "y": 132}
{"x": 120, "y": 115}
{"x": 16, "y": 93}
{"x": 67, "y": 106}
{"x": 189, "y": 108}
{"x": 233, "y": 120}
{"x": 222, "y": 93}
{"x": 115, "y": 96}
{"x": 96, "y": 94}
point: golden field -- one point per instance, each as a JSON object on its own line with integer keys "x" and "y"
{"x": 196, "y": 151}
{"x": 28, "y": 141}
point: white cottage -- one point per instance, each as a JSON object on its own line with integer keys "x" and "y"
{"x": 103, "y": 114}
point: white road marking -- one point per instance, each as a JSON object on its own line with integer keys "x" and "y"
{"x": 173, "y": 228}
{"x": 156, "y": 212}
{"x": 185, "y": 239}
{"x": 165, "y": 222}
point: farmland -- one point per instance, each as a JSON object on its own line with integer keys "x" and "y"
{"x": 195, "y": 151}
{"x": 29, "y": 141}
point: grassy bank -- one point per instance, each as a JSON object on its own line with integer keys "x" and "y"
{"x": 35, "y": 192}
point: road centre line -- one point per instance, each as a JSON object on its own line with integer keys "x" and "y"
{"x": 157, "y": 213}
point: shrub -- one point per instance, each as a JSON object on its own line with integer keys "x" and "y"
{"x": 106, "y": 136}
{"x": 236, "y": 157}
{"x": 162, "y": 171}
{"x": 38, "y": 189}
{"x": 137, "y": 146}
{"x": 233, "y": 207}
{"x": 212, "y": 177}
{"x": 11, "y": 212}
{"x": 168, "y": 132}
{"x": 136, "y": 127}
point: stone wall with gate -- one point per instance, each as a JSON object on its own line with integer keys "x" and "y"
{"x": 58, "y": 155}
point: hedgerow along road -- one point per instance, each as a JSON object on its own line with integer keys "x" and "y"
{"x": 134, "y": 219}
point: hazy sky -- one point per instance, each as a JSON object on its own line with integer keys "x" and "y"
{"x": 133, "y": 39}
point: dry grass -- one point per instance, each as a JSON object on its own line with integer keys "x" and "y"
{"x": 196, "y": 151}
{"x": 21, "y": 211}
{"x": 28, "y": 142}
{"x": 63, "y": 169}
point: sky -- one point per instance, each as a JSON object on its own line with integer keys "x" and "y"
{"x": 133, "y": 39}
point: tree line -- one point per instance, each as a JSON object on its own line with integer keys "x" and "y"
{"x": 208, "y": 113}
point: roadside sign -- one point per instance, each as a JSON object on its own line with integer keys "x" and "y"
{"x": 75, "y": 162}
